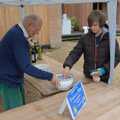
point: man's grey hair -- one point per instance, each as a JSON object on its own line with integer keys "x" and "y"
{"x": 31, "y": 18}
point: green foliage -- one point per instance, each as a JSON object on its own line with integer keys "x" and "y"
{"x": 75, "y": 23}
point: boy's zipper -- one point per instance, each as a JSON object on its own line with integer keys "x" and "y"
{"x": 96, "y": 54}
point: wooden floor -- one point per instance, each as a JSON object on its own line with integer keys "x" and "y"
{"x": 103, "y": 104}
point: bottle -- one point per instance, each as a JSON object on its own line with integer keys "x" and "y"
{"x": 33, "y": 55}
{"x": 40, "y": 50}
{"x": 36, "y": 50}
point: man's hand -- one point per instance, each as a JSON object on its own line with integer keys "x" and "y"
{"x": 66, "y": 72}
{"x": 54, "y": 80}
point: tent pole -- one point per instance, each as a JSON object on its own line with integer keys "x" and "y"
{"x": 112, "y": 5}
{"x": 21, "y": 8}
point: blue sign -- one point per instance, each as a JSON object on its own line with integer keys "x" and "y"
{"x": 76, "y": 99}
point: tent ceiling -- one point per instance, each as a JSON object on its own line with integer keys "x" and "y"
{"x": 31, "y": 2}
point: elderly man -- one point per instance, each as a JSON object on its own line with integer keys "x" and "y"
{"x": 15, "y": 61}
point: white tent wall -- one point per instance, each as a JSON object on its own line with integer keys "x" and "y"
{"x": 112, "y": 6}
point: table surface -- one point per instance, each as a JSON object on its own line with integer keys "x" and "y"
{"x": 103, "y": 103}
{"x": 45, "y": 87}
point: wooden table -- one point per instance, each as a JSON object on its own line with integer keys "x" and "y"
{"x": 103, "y": 104}
{"x": 37, "y": 89}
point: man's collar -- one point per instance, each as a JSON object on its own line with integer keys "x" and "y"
{"x": 24, "y": 30}
{"x": 26, "y": 34}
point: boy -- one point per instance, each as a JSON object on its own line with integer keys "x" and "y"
{"x": 95, "y": 47}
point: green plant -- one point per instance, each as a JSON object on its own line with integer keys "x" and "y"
{"x": 75, "y": 23}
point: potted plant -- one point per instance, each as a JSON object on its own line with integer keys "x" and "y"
{"x": 75, "y": 23}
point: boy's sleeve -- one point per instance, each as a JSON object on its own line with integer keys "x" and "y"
{"x": 74, "y": 55}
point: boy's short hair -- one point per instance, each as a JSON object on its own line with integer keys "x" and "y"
{"x": 96, "y": 16}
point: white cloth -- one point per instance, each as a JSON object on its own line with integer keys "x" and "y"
{"x": 26, "y": 34}
{"x": 24, "y": 30}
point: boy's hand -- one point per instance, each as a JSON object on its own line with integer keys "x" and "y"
{"x": 66, "y": 72}
{"x": 96, "y": 78}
